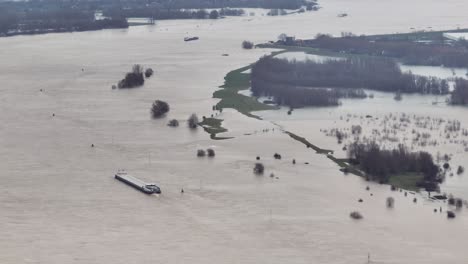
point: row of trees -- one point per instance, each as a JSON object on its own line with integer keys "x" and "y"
{"x": 380, "y": 163}
{"x": 409, "y": 52}
{"x": 267, "y": 4}
{"x": 299, "y": 82}
{"x": 161, "y": 14}
{"x": 54, "y": 20}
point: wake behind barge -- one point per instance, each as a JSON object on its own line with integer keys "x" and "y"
{"x": 148, "y": 188}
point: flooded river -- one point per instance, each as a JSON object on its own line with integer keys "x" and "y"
{"x": 60, "y": 203}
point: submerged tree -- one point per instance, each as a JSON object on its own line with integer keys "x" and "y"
{"x": 134, "y": 78}
{"x": 159, "y": 108}
{"x": 247, "y": 44}
{"x": 192, "y": 122}
{"x": 259, "y": 168}
{"x": 149, "y": 72}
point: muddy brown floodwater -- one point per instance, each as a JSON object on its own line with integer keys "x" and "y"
{"x": 60, "y": 203}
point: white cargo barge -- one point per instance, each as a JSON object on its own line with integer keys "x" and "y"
{"x": 148, "y": 188}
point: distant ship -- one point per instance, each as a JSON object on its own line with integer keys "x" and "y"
{"x": 191, "y": 38}
{"x": 148, "y": 188}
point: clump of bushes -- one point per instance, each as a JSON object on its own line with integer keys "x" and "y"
{"x": 173, "y": 123}
{"x": 159, "y": 108}
{"x": 247, "y": 44}
{"x": 450, "y": 214}
{"x": 277, "y": 156}
{"x": 134, "y": 78}
{"x": 211, "y": 152}
{"x": 259, "y": 168}
{"x": 192, "y": 122}
{"x": 201, "y": 153}
{"x": 355, "y": 215}
{"x": 380, "y": 163}
{"x": 149, "y": 72}
{"x": 460, "y": 170}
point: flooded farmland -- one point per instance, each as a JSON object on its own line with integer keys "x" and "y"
{"x": 59, "y": 200}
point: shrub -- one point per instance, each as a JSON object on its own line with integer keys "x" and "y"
{"x": 459, "y": 203}
{"x": 211, "y": 152}
{"x": 460, "y": 170}
{"x": 201, "y": 153}
{"x": 173, "y": 123}
{"x": 390, "y": 202}
{"x": 133, "y": 79}
{"x": 192, "y": 122}
{"x": 355, "y": 215}
{"x": 277, "y": 156}
{"x": 159, "y": 108}
{"x": 446, "y": 166}
{"x": 149, "y": 72}
{"x": 450, "y": 214}
{"x": 259, "y": 168}
{"x": 247, "y": 44}
{"x": 451, "y": 200}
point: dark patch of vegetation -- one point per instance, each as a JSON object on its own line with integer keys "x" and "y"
{"x": 231, "y": 12}
{"x": 450, "y": 214}
{"x": 247, "y": 44}
{"x": 355, "y": 215}
{"x": 201, "y": 153}
{"x": 299, "y": 83}
{"x": 211, "y": 153}
{"x": 159, "y": 109}
{"x": 134, "y": 78}
{"x": 390, "y": 202}
{"x": 214, "y": 14}
{"x": 380, "y": 164}
{"x": 192, "y": 122}
{"x": 409, "y": 51}
{"x": 157, "y": 13}
{"x": 149, "y": 72}
{"x": 277, "y": 12}
{"x": 25, "y": 17}
{"x": 259, "y": 168}
{"x": 460, "y": 170}
{"x": 459, "y": 95}
{"x": 173, "y": 123}
{"x": 267, "y": 4}
{"x": 277, "y": 156}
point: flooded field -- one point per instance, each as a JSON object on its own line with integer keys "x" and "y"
{"x": 60, "y": 203}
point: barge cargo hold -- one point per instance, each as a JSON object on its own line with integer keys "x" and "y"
{"x": 138, "y": 184}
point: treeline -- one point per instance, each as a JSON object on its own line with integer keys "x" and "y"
{"x": 380, "y": 164}
{"x": 459, "y": 95}
{"x": 413, "y": 53}
{"x": 162, "y": 14}
{"x": 231, "y": 12}
{"x": 33, "y": 21}
{"x": 300, "y": 83}
{"x": 267, "y": 4}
